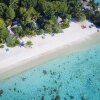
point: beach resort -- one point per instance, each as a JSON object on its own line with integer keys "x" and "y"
{"x": 49, "y": 50}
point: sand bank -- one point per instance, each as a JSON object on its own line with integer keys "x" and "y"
{"x": 72, "y": 39}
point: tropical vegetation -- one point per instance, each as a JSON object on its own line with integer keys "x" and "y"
{"x": 34, "y": 17}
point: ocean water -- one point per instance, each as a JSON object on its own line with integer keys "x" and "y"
{"x": 98, "y": 1}
{"x": 70, "y": 77}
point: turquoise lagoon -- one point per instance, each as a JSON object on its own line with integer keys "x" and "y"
{"x": 70, "y": 77}
{"x": 98, "y": 1}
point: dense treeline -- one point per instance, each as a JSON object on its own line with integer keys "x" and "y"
{"x": 38, "y": 16}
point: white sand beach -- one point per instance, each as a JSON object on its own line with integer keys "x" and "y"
{"x": 13, "y": 61}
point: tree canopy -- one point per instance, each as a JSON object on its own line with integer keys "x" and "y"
{"x": 35, "y": 16}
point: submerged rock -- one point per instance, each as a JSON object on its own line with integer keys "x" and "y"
{"x": 70, "y": 78}
{"x": 71, "y": 97}
{"x": 23, "y": 78}
{"x": 1, "y": 92}
{"x": 59, "y": 76}
{"x": 83, "y": 98}
{"x": 93, "y": 75}
{"x": 54, "y": 90}
{"x": 18, "y": 91}
{"x": 14, "y": 89}
{"x": 65, "y": 98}
{"x": 53, "y": 73}
{"x": 44, "y": 72}
{"x": 55, "y": 81}
{"x": 76, "y": 76}
{"x": 9, "y": 89}
{"x": 57, "y": 98}
{"x": 98, "y": 89}
{"x": 60, "y": 85}
{"x": 42, "y": 98}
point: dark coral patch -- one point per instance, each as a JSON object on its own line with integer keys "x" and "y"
{"x": 1, "y": 92}
{"x": 54, "y": 90}
{"x": 57, "y": 98}
{"x": 14, "y": 89}
{"x": 83, "y": 98}
{"x": 71, "y": 97}
{"x": 23, "y": 78}
{"x": 15, "y": 83}
{"x": 44, "y": 72}
{"x": 42, "y": 98}
{"x": 98, "y": 89}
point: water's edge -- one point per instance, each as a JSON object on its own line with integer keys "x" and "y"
{"x": 67, "y": 49}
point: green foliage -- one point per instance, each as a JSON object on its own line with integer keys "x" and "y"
{"x": 32, "y": 25}
{"x": 14, "y": 4}
{"x": 51, "y": 25}
{"x": 61, "y": 7}
{"x": 96, "y": 17}
{"x": 27, "y": 10}
{"x": 65, "y": 24}
{"x": 10, "y": 13}
{"x": 81, "y": 17}
{"x": 29, "y": 44}
{"x": 12, "y": 41}
{"x": 52, "y": 8}
{"x": 76, "y": 9}
{"x": 3, "y": 35}
{"x": 93, "y": 5}
{"x": 41, "y": 31}
{"x": 48, "y": 28}
{"x": 27, "y": 16}
{"x": 91, "y": 13}
{"x": 2, "y": 24}
{"x": 1, "y": 46}
{"x": 88, "y": 14}
{"x": 41, "y": 16}
{"x": 18, "y": 31}
{"x": 33, "y": 13}
{"x": 29, "y": 3}
{"x": 2, "y": 9}
{"x": 54, "y": 19}
{"x": 68, "y": 17}
{"x": 29, "y": 32}
{"x": 57, "y": 29}
{"x": 23, "y": 14}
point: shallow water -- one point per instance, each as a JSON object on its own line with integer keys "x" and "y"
{"x": 70, "y": 77}
{"x": 98, "y": 1}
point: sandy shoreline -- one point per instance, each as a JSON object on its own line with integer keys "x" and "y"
{"x": 20, "y": 59}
